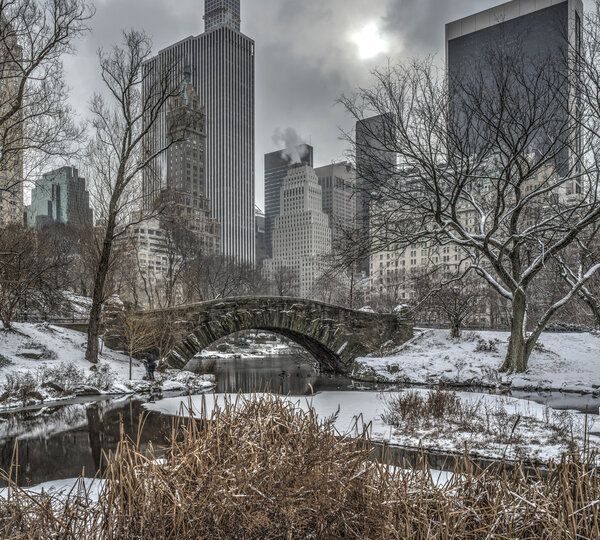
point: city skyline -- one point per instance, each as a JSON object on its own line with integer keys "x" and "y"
{"x": 301, "y": 68}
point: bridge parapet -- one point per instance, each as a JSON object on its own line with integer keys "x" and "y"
{"x": 334, "y": 335}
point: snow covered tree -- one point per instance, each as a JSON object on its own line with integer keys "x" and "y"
{"x": 502, "y": 166}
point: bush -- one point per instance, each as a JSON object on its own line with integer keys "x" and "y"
{"x": 65, "y": 377}
{"x": 279, "y": 474}
{"x": 21, "y": 386}
{"x": 261, "y": 468}
{"x": 487, "y": 345}
{"x": 102, "y": 377}
{"x": 411, "y": 409}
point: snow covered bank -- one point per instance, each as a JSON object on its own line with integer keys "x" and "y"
{"x": 41, "y": 363}
{"x": 562, "y": 361}
{"x": 534, "y": 437}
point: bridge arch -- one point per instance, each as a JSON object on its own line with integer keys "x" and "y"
{"x": 335, "y": 336}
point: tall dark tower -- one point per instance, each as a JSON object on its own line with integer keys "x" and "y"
{"x": 374, "y": 166}
{"x": 186, "y": 172}
{"x": 222, "y": 73}
{"x": 542, "y": 35}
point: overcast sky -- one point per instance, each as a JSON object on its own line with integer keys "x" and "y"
{"x": 306, "y": 55}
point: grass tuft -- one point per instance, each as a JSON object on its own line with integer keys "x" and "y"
{"x": 263, "y": 468}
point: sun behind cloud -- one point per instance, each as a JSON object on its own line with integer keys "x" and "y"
{"x": 370, "y": 41}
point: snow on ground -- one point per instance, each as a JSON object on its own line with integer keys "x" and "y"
{"x": 535, "y": 435}
{"x": 562, "y": 361}
{"x": 254, "y": 350}
{"x": 54, "y": 345}
{"x": 42, "y": 350}
{"x": 89, "y": 488}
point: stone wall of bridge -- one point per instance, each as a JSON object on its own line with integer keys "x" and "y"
{"x": 335, "y": 336}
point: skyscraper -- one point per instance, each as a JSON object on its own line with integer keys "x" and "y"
{"x": 338, "y": 183}
{"x": 222, "y": 13}
{"x": 374, "y": 165}
{"x": 277, "y": 165}
{"x": 301, "y": 236}
{"x": 60, "y": 197}
{"x": 541, "y": 36}
{"x": 186, "y": 171}
{"x": 221, "y": 63}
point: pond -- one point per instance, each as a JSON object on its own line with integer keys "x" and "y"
{"x": 61, "y": 440}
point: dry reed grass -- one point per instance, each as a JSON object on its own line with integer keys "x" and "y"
{"x": 261, "y": 468}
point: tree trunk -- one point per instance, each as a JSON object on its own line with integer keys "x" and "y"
{"x": 130, "y": 362}
{"x": 518, "y": 351}
{"x": 91, "y": 353}
{"x": 455, "y": 329}
{"x": 6, "y": 322}
{"x": 596, "y": 311}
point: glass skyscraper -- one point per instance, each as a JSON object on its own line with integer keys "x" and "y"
{"x": 541, "y": 36}
{"x": 221, "y": 61}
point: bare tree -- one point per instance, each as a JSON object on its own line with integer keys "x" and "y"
{"x": 32, "y": 269}
{"x": 120, "y": 149}
{"x": 344, "y": 262}
{"x": 490, "y": 164}
{"x": 214, "y": 276}
{"x": 284, "y": 281}
{"x": 137, "y": 333}
{"x": 458, "y": 302}
{"x": 35, "y": 119}
{"x": 389, "y": 291}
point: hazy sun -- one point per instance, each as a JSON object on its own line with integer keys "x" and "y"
{"x": 370, "y": 42}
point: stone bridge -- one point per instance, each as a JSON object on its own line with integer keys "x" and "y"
{"x": 335, "y": 336}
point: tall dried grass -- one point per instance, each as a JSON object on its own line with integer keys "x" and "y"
{"x": 262, "y": 468}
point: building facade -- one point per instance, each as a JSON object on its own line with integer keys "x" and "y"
{"x": 338, "y": 184}
{"x": 60, "y": 196}
{"x": 302, "y": 236}
{"x": 11, "y": 134}
{"x": 374, "y": 165}
{"x": 261, "y": 248}
{"x": 149, "y": 261}
{"x": 221, "y": 62}
{"x": 277, "y": 165}
{"x": 541, "y": 35}
{"x": 185, "y": 191}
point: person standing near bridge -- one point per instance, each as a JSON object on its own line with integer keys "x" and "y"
{"x": 150, "y": 365}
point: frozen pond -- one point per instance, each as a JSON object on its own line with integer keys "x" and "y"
{"x": 61, "y": 440}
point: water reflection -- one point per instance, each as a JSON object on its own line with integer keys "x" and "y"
{"x": 284, "y": 374}
{"x": 61, "y": 442}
